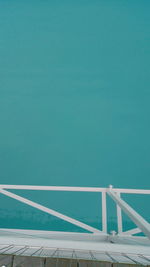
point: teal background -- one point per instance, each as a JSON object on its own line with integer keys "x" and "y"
{"x": 74, "y": 101}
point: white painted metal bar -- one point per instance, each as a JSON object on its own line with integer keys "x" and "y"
{"x": 132, "y": 231}
{"x": 50, "y": 211}
{"x": 73, "y": 188}
{"x": 132, "y": 191}
{"x": 135, "y": 217}
{"x": 119, "y": 217}
{"x": 54, "y": 188}
{"x": 104, "y": 213}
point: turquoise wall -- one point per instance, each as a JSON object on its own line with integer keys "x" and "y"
{"x": 74, "y": 95}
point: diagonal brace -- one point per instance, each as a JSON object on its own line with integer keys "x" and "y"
{"x": 50, "y": 211}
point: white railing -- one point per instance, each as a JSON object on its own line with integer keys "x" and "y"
{"x": 114, "y": 193}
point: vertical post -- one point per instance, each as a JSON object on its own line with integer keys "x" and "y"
{"x": 104, "y": 213}
{"x": 119, "y": 217}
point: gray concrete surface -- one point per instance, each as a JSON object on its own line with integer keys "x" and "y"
{"x": 28, "y": 261}
{"x": 6, "y": 260}
{"x": 22, "y": 261}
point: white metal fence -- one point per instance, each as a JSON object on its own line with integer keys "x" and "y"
{"x": 114, "y": 193}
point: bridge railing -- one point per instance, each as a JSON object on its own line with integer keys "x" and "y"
{"x": 114, "y": 193}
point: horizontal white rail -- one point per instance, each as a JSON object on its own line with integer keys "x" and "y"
{"x": 132, "y": 191}
{"x": 74, "y": 189}
{"x": 54, "y": 188}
